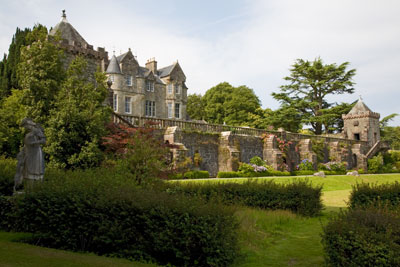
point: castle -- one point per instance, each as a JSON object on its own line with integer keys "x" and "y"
{"x": 138, "y": 91}
{"x": 141, "y": 94}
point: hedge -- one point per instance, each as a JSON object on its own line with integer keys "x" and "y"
{"x": 7, "y": 172}
{"x": 299, "y": 196}
{"x": 233, "y": 174}
{"x": 110, "y": 217}
{"x": 363, "y": 237}
{"x": 366, "y": 194}
{"x": 192, "y": 175}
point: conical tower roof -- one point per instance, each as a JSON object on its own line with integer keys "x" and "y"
{"x": 67, "y": 31}
{"x": 359, "y": 108}
{"x": 113, "y": 67}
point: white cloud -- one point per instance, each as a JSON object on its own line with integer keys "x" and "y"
{"x": 254, "y": 45}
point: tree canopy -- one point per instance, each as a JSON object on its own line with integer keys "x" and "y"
{"x": 195, "y": 107}
{"x": 231, "y": 105}
{"x": 308, "y": 86}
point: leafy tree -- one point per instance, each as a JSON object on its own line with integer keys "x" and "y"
{"x": 77, "y": 122}
{"x": 384, "y": 122}
{"x": 8, "y": 67}
{"x": 195, "y": 107}
{"x": 40, "y": 73}
{"x": 332, "y": 117}
{"x": 11, "y": 114}
{"x": 231, "y": 105}
{"x": 309, "y": 85}
{"x": 285, "y": 117}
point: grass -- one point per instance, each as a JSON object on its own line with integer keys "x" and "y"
{"x": 19, "y": 254}
{"x": 267, "y": 238}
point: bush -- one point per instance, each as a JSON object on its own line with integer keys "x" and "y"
{"x": 196, "y": 175}
{"x": 7, "y": 172}
{"x": 109, "y": 216}
{"x": 305, "y": 165}
{"x": 371, "y": 194}
{"x": 298, "y": 196}
{"x": 375, "y": 164}
{"x": 363, "y": 237}
{"x": 258, "y": 161}
{"x": 229, "y": 174}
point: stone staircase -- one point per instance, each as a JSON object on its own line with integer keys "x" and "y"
{"x": 380, "y": 146}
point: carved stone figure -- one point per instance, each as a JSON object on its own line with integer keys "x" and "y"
{"x": 30, "y": 164}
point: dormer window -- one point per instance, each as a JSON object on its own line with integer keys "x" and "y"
{"x": 129, "y": 80}
{"x": 150, "y": 86}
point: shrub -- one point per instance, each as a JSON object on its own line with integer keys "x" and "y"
{"x": 110, "y": 216}
{"x": 298, "y": 196}
{"x": 229, "y": 174}
{"x": 196, "y": 174}
{"x": 363, "y": 237}
{"x": 258, "y": 161}
{"x": 305, "y": 165}
{"x": 366, "y": 194}
{"x": 375, "y": 164}
{"x": 7, "y": 172}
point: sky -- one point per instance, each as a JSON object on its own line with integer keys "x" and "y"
{"x": 243, "y": 42}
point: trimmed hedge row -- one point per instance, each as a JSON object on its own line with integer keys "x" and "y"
{"x": 363, "y": 237}
{"x": 110, "y": 217}
{"x": 366, "y": 194}
{"x": 233, "y": 174}
{"x": 192, "y": 175}
{"x": 299, "y": 196}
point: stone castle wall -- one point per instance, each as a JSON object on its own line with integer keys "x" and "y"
{"x": 224, "y": 151}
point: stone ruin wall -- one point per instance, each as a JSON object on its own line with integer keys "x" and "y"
{"x": 224, "y": 151}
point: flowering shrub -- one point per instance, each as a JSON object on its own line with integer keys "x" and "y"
{"x": 333, "y": 166}
{"x": 305, "y": 165}
{"x": 257, "y": 161}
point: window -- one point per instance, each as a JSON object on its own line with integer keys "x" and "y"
{"x": 150, "y": 108}
{"x": 177, "y": 88}
{"x": 177, "y": 111}
{"x": 169, "y": 110}
{"x": 357, "y": 136}
{"x": 127, "y": 105}
{"x": 128, "y": 80}
{"x": 150, "y": 86}
{"x": 115, "y": 102}
{"x": 170, "y": 88}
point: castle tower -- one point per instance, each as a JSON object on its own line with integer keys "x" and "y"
{"x": 362, "y": 124}
{"x": 74, "y": 44}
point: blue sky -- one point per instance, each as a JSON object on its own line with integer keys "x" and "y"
{"x": 249, "y": 43}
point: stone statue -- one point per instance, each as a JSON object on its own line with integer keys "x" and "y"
{"x": 30, "y": 164}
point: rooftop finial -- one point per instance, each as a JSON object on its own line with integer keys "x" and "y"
{"x": 63, "y": 14}
{"x": 360, "y": 98}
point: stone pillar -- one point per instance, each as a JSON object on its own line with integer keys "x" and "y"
{"x": 173, "y": 137}
{"x": 271, "y": 152}
{"x": 228, "y": 154}
{"x": 306, "y": 151}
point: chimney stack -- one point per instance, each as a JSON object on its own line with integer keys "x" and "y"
{"x": 151, "y": 64}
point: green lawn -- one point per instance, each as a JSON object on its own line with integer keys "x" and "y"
{"x": 267, "y": 238}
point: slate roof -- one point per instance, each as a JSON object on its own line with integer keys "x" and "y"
{"x": 359, "y": 108}
{"x": 122, "y": 56}
{"x": 113, "y": 67}
{"x": 166, "y": 70}
{"x": 68, "y": 32}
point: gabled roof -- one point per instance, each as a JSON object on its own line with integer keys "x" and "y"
{"x": 166, "y": 70}
{"x": 113, "y": 67}
{"x": 122, "y": 56}
{"x": 359, "y": 108}
{"x": 67, "y": 31}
